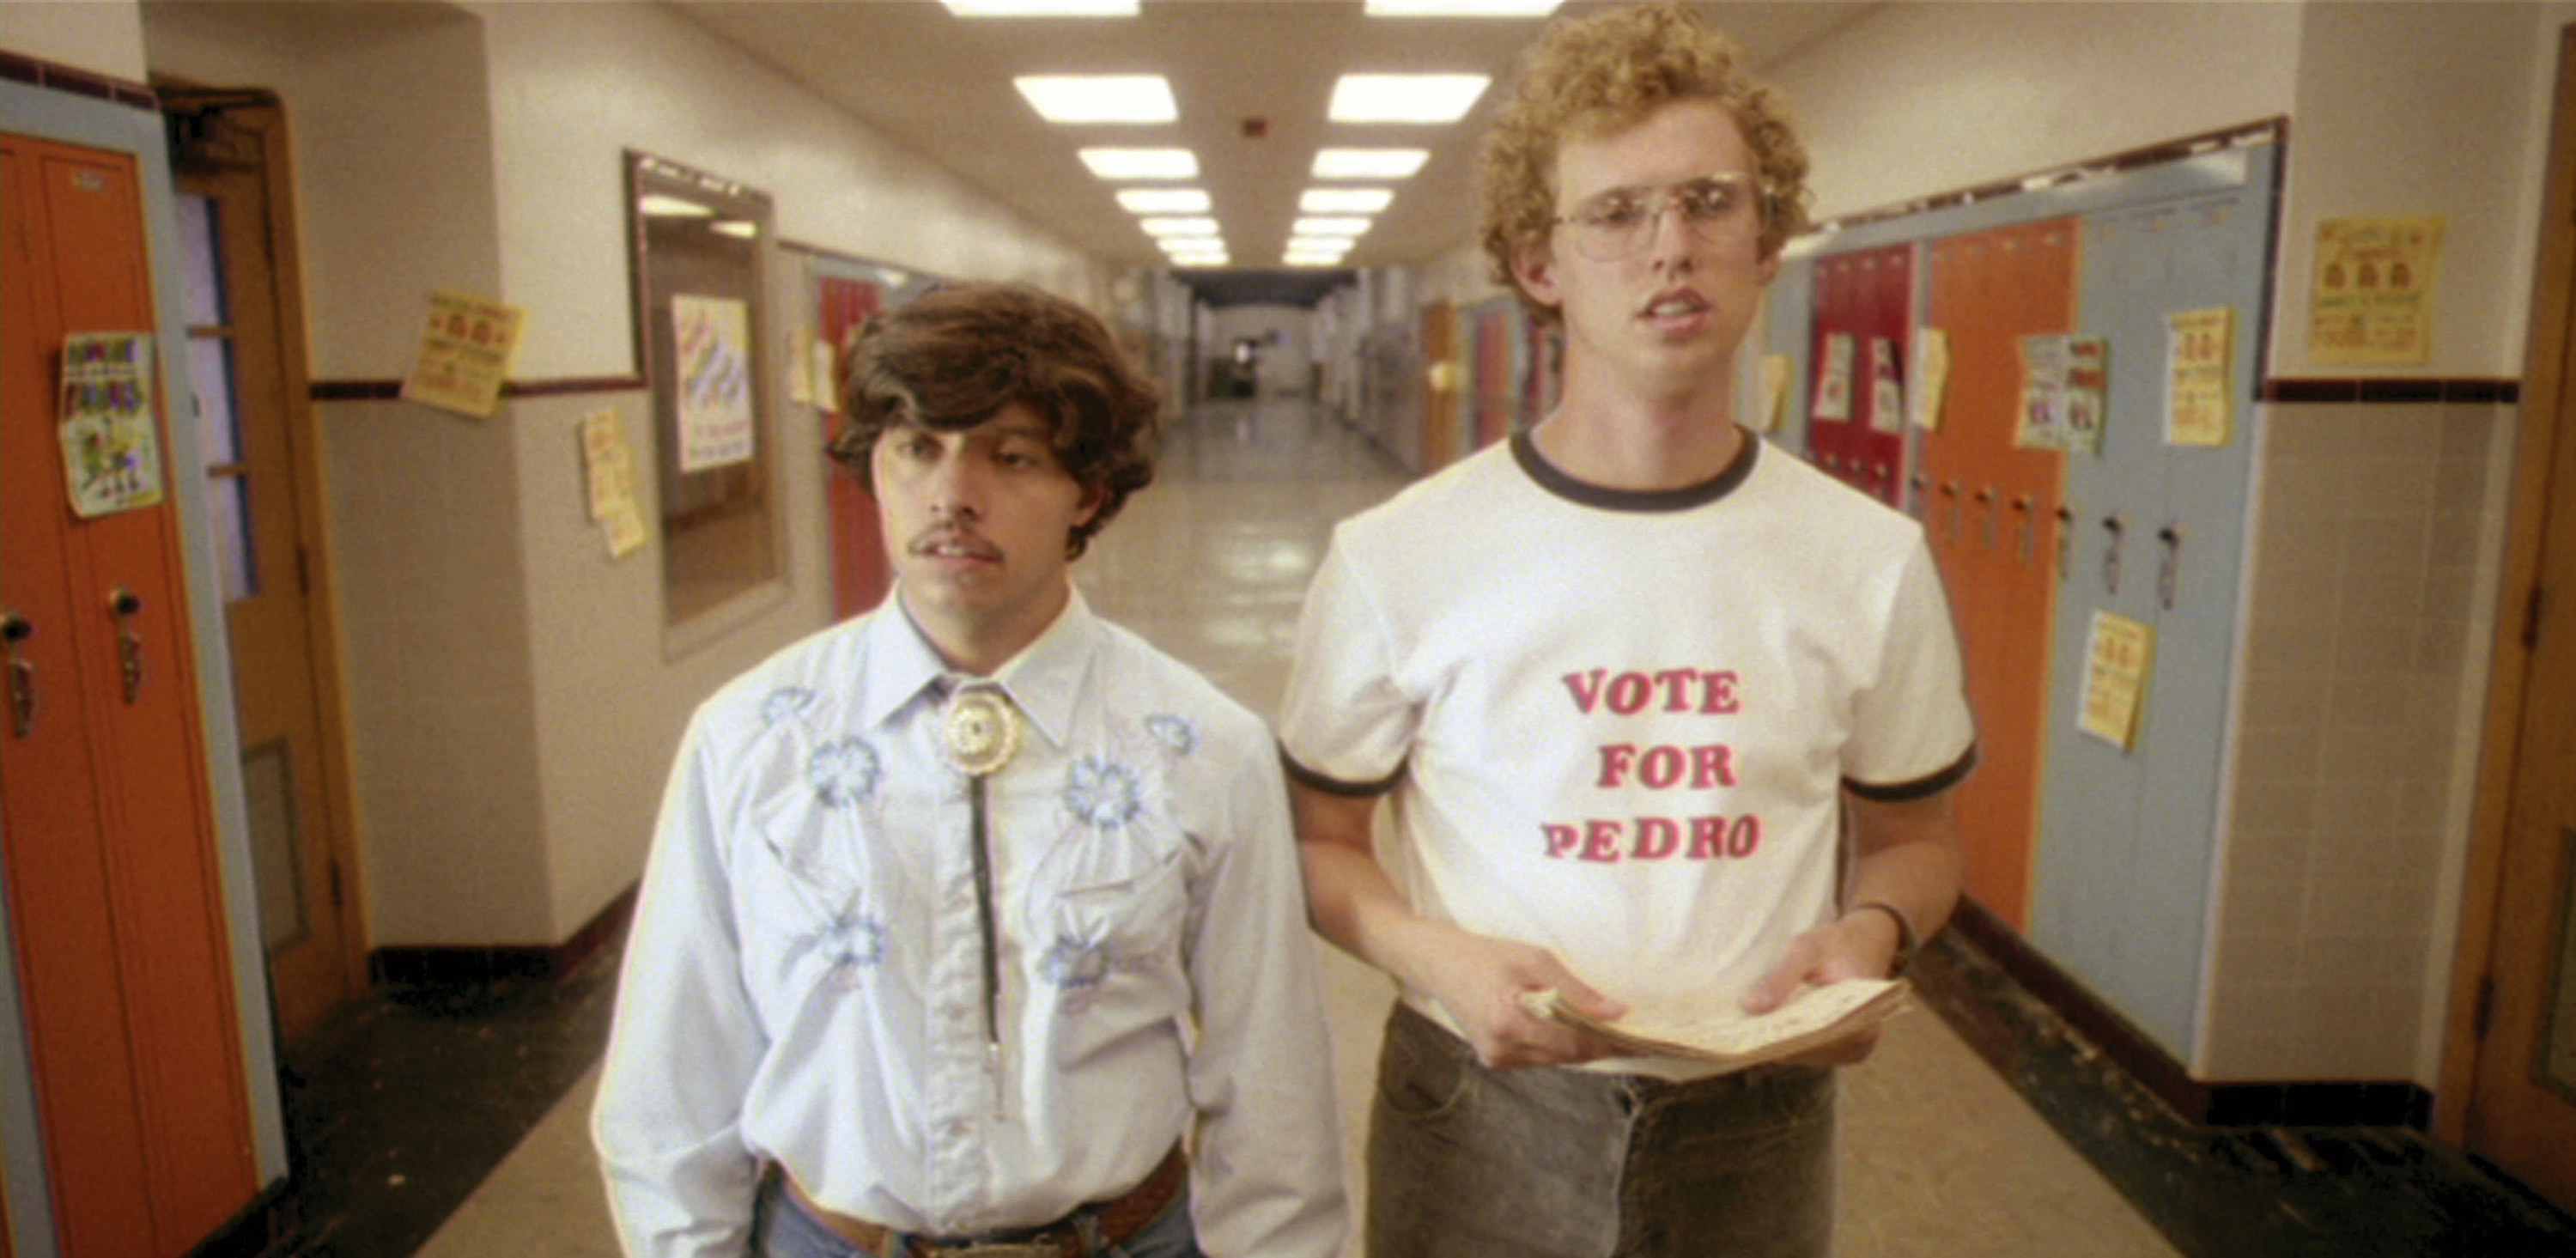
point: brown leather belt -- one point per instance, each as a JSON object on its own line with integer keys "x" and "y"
{"x": 1118, "y": 1219}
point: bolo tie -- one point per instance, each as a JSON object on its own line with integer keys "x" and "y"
{"x": 981, "y": 733}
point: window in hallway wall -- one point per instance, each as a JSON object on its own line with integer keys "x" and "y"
{"x": 701, "y": 244}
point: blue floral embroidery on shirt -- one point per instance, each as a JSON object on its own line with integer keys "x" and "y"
{"x": 1101, "y": 792}
{"x": 1177, "y": 733}
{"x": 844, "y": 773}
{"x": 1073, "y": 963}
{"x": 854, "y": 942}
{"x": 783, "y": 703}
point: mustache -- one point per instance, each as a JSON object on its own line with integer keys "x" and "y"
{"x": 944, "y": 536}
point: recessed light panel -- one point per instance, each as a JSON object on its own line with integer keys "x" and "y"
{"x": 656, "y": 205}
{"x": 1322, "y": 244}
{"x": 1369, "y": 163}
{"x": 1330, "y": 227}
{"x": 1118, "y": 98}
{"x": 1142, "y": 163}
{"x": 1178, "y": 226}
{"x": 1163, "y": 200}
{"x": 1427, "y": 98}
{"x": 1345, "y": 200}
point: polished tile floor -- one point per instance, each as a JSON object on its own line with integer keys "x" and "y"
{"x": 451, "y": 1124}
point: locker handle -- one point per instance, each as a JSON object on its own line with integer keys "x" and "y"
{"x": 1950, "y": 490}
{"x": 1915, "y": 485}
{"x": 2065, "y": 539}
{"x": 2169, "y": 575}
{"x": 2111, "y": 555}
{"x": 122, "y": 604}
{"x": 1986, "y": 531}
{"x": 14, "y": 629}
{"x": 2022, "y": 528}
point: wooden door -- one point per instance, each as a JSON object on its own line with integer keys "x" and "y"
{"x": 860, "y": 575}
{"x": 122, "y": 956}
{"x": 244, "y": 310}
{"x": 2522, "y": 1105}
{"x": 1440, "y": 392}
{"x": 1988, "y": 509}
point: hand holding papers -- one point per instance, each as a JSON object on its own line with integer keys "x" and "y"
{"x": 1816, "y": 1016}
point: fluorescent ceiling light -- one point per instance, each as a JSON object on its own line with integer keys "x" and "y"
{"x": 1406, "y": 97}
{"x": 1329, "y": 227}
{"x": 1142, "y": 163}
{"x": 1163, "y": 200}
{"x": 1042, "y": 8}
{"x": 1178, "y": 226}
{"x": 1345, "y": 200}
{"x": 1369, "y": 163}
{"x": 656, "y": 205}
{"x": 735, "y": 227}
{"x": 1461, "y": 8}
{"x": 1124, "y": 98}
{"x": 1322, "y": 244}
{"x": 1294, "y": 258}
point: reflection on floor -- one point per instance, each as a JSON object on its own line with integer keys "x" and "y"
{"x": 452, "y": 1124}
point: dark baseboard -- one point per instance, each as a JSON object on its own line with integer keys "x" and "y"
{"x": 2366, "y": 1103}
{"x": 266, "y": 1228}
{"x": 479, "y": 966}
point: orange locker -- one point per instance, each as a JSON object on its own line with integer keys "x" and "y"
{"x": 1990, "y": 509}
{"x": 122, "y": 960}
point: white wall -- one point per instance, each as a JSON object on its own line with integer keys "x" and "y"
{"x": 100, "y": 36}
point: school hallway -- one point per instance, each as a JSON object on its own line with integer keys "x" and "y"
{"x": 452, "y": 1123}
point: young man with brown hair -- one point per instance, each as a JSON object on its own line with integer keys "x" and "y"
{"x": 1626, "y": 683}
{"x": 965, "y": 918}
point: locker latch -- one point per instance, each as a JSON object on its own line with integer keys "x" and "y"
{"x": 123, "y": 603}
{"x": 2111, "y": 554}
{"x": 14, "y": 629}
{"x": 2169, "y": 577}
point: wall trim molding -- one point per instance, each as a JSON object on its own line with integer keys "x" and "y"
{"x": 21, "y": 68}
{"x": 561, "y": 386}
{"x": 470, "y": 967}
{"x": 2391, "y": 389}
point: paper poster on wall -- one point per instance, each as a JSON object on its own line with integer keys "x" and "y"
{"x": 608, "y": 467}
{"x": 465, "y": 354}
{"x": 1774, "y": 384}
{"x": 827, "y": 375}
{"x": 1931, "y": 377}
{"x": 2374, "y": 290}
{"x": 2116, "y": 656}
{"x": 1886, "y": 386}
{"x": 111, "y": 448}
{"x": 2199, "y": 357}
{"x": 1833, "y": 379}
{"x": 712, "y": 340}
{"x": 2064, "y": 379}
{"x": 800, "y": 366}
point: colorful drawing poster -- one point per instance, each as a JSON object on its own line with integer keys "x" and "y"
{"x": 2116, "y": 656}
{"x": 2200, "y": 352}
{"x": 1775, "y": 392}
{"x": 1833, "y": 379}
{"x": 1886, "y": 386}
{"x": 2374, "y": 290}
{"x": 465, "y": 354}
{"x": 712, "y": 340}
{"x": 1931, "y": 376}
{"x": 2064, "y": 382}
{"x": 111, "y": 447}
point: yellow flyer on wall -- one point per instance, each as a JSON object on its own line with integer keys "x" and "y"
{"x": 2374, "y": 290}
{"x": 111, "y": 448}
{"x": 2116, "y": 656}
{"x": 1931, "y": 377}
{"x": 465, "y": 354}
{"x": 2200, "y": 354}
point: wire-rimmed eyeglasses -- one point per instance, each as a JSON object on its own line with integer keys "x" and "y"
{"x": 1620, "y": 223}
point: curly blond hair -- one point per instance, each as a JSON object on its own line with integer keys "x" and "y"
{"x": 1600, "y": 74}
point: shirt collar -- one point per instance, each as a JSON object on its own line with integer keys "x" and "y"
{"x": 1043, "y": 681}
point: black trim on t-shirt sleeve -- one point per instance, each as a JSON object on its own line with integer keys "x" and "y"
{"x": 1919, "y": 788}
{"x": 1336, "y": 786}
{"x": 1583, "y": 493}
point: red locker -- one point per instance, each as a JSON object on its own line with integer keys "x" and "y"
{"x": 120, "y": 946}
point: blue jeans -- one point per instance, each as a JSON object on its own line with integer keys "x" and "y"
{"x": 1468, "y": 1162}
{"x": 782, "y": 1229}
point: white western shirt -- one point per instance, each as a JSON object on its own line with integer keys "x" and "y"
{"x": 804, "y": 982}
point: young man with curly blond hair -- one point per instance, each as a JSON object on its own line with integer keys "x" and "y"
{"x": 972, "y": 925}
{"x": 1660, "y": 715}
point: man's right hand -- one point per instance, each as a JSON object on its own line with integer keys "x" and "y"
{"x": 1479, "y": 980}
